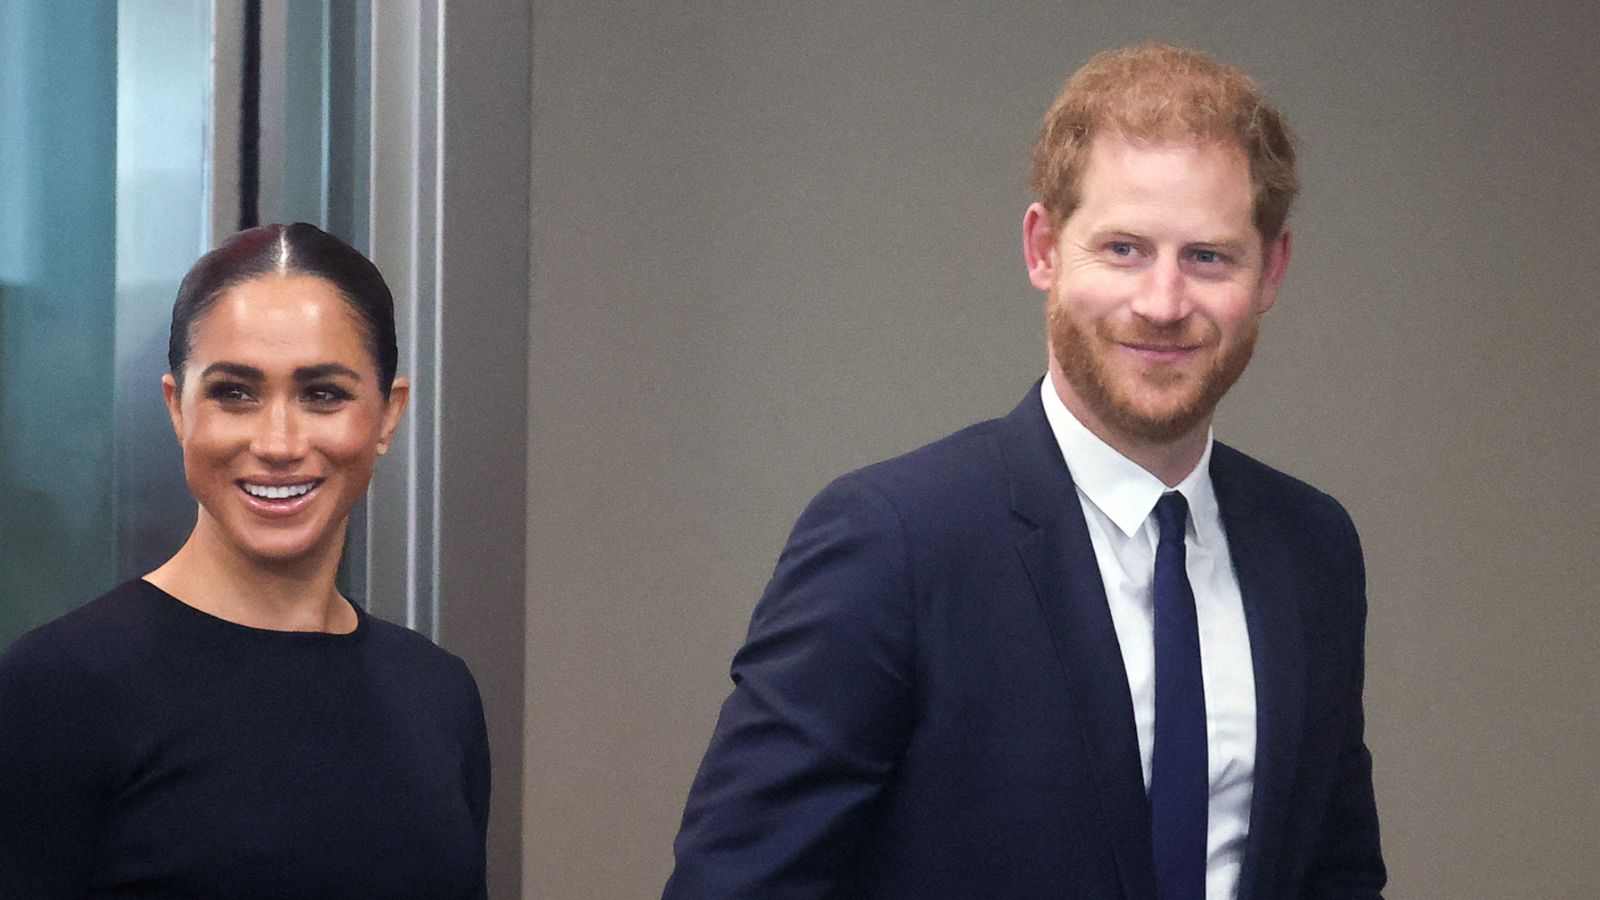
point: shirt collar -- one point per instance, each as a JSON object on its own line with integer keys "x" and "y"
{"x": 1120, "y": 487}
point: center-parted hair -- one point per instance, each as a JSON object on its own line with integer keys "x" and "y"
{"x": 1158, "y": 92}
{"x": 298, "y": 249}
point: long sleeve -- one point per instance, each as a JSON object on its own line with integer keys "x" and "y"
{"x": 51, "y": 780}
{"x": 476, "y": 777}
{"x": 1349, "y": 860}
{"x": 1349, "y": 864}
{"x": 819, "y": 714}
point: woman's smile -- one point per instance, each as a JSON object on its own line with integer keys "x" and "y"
{"x": 281, "y": 417}
{"x": 278, "y": 497}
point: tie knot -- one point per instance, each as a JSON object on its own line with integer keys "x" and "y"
{"x": 1172, "y": 511}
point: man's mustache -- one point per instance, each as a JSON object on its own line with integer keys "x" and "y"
{"x": 1174, "y": 338}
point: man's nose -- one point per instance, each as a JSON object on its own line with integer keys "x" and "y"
{"x": 1164, "y": 297}
{"x": 279, "y": 436}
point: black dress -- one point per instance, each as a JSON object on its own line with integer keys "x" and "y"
{"x": 148, "y": 749}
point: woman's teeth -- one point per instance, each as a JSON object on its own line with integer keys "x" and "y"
{"x": 268, "y": 492}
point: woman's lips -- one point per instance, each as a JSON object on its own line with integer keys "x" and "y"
{"x": 272, "y": 507}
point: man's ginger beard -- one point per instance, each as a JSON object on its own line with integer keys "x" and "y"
{"x": 1158, "y": 405}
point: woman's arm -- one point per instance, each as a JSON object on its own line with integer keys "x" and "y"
{"x": 52, "y": 736}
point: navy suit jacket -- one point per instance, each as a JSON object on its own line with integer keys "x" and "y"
{"x": 932, "y": 703}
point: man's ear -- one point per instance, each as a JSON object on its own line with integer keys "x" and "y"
{"x": 174, "y": 400}
{"x": 1040, "y": 243}
{"x": 393, "y": 408}
{"x": 1274, "y": 267}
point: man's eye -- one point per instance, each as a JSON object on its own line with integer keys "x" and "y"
{"x": 1208, "y": 257}
{"x": 1121, "y": 248}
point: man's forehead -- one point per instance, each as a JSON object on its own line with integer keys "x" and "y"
{"x": 1116, "y": 144}
{"x": 1187, "y": 183}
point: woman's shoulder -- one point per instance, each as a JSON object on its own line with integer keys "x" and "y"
{"x": 403, "y": 647}
{"x": 76, "y": 672}
{"x": 99, "y": 635}
{"x": 429, "y": 678}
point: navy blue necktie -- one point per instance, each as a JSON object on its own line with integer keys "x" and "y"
{"x": 1179, "y": 780}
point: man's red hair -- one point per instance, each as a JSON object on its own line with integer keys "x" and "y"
{"x": 1158, "y": 92}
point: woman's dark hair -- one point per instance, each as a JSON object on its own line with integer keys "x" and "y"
{"x": 299, "y": 249}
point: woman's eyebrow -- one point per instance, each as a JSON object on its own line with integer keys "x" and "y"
{"x": 234, "y": 370}
{"x": 323, "y": 370}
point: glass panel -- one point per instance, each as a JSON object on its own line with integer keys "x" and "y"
{"x": 163, "y": 147}
{"x": 313, "y": 149}
{"x": 107, "y": 172}
{"x": 349, "y": 119}
{"x": 314, "y": 115}
{"x": 57, "y": 240}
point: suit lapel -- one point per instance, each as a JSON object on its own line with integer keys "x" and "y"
{"x": 1268, "y": 586}
{"x": 1053, "y": 542}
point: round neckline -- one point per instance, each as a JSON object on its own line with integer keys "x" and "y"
{"x": 217, "y": 623}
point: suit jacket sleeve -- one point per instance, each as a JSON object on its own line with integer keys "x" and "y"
{"x": 476, "y": 772}
{"x": 818, "y": 717}
{"x": 1348, "y": 861}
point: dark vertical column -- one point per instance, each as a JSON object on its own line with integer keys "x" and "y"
{"x": 250, "y": 119}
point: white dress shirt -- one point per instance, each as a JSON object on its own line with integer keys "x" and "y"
{"x": 1118, "y": 499}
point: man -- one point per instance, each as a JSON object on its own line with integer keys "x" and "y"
{"x": 1080, "y": 651}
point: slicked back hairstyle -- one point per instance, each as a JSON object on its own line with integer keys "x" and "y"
{"x": 1159, "y": 92}
{"x": 298, "y": 249}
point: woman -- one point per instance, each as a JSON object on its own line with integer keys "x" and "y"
{"x": 230, "y": 725}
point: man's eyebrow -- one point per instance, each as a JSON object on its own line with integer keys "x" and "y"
{"x": 324, "y": 370}
{"x": 234, "y": 370}
{"x": 1117, "y": 232}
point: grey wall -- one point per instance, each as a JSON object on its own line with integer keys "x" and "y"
{"x": 773, "y": 241}
{"x": 482, "y": 273}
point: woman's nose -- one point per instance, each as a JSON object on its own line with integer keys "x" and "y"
{"x": 278, "y": 436}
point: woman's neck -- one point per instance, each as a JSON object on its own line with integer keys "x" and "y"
{"x": 214, "y": 576}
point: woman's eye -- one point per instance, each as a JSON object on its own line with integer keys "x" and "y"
{"x": 326, "y": 395}
{"x": 227, "y": 392}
